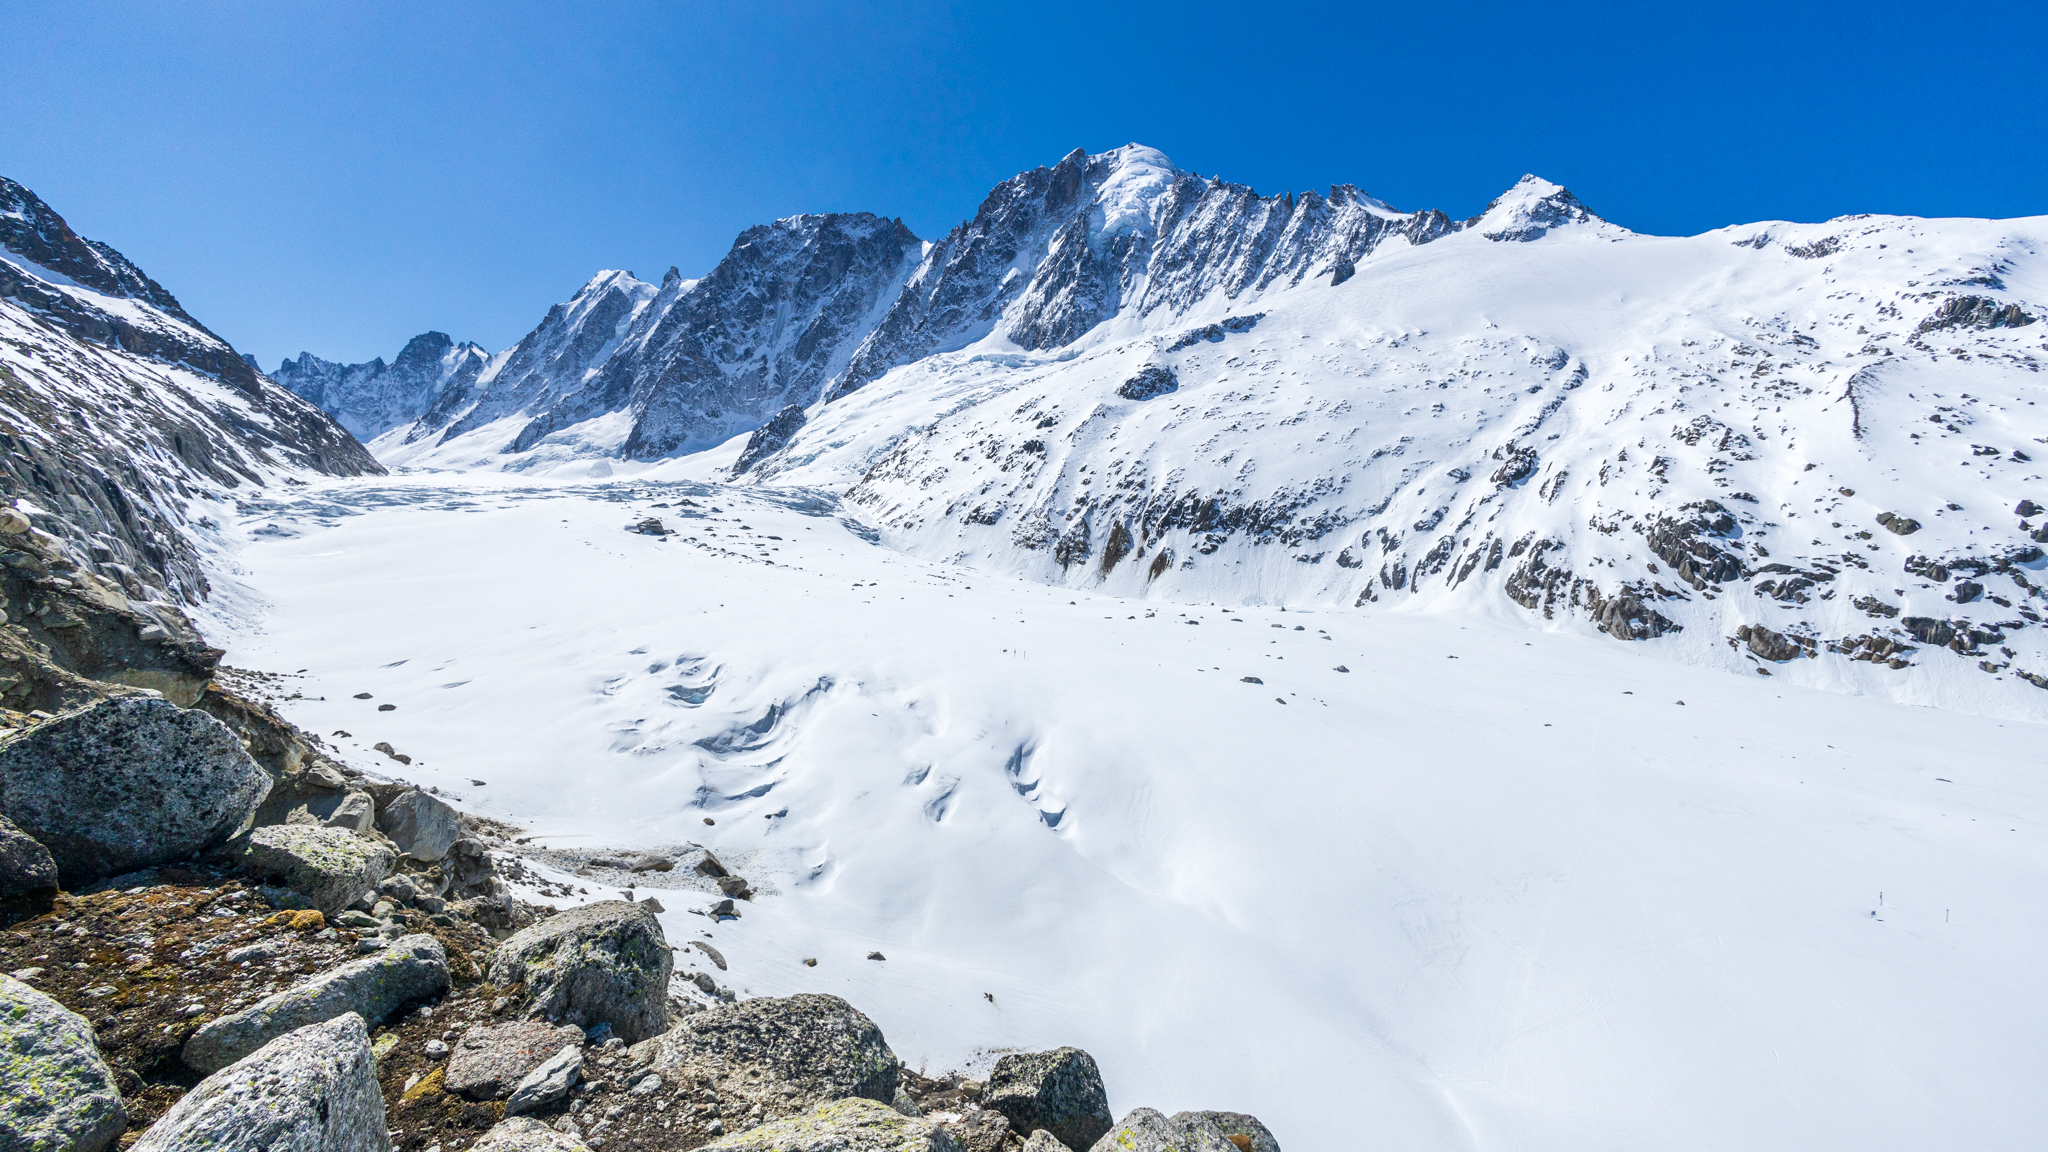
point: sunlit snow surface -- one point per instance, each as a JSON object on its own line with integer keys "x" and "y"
{"x": 1490, "y": 888}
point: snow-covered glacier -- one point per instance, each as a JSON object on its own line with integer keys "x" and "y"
{"x": 1510, "y": 682}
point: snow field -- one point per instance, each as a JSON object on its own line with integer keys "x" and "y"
{"x": 1489, "y": 888}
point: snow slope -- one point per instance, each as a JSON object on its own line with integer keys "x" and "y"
{"x": 1436, "y": 880}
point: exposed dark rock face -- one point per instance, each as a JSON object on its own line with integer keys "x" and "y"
{"x": 1773, "y": 646}
{"x": 113, "y": 414}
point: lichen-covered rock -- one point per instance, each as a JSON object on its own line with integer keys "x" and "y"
{"x": 853, "y": 1125}
{"x": 28, "y": 873}
{"x": 313, "y": 1090}
{"x": 128, "y": 783}
{"x": 1060, "y": 1091}
{"x": 58, "y": 1093}
{"x": 602, "y": 963}
{"x": 491, "y": 1059}
{"x": 1239, "y": 1128}
{"x": 422, "y": 826}
{"x": 331, "y": 867}
{"x": 413, "y": 967}
{"x": 525, "y": 1134}
{"x": 785, "y": 1054}
{"x": 1146, "y": 1130}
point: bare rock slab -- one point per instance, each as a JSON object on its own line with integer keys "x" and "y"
{"x": 1060, "y": 1091}
{"x": 312, "y": 1090}
{"x": 128, "y": 783}
{"x": 491, "y": 1059}
{"x": 331, "y": 867}
{"x": 853, "y": 1125}
{"x": 412, "y": 968}
{"x": 59, "y": 1093}
{"x": 602, "y": 963}
{"x": 785, "y": 1054}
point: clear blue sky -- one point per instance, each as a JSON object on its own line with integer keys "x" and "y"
{"x": 339, "y": 177}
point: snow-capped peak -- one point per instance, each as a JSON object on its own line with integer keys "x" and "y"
{"x": 1532, "y": 209}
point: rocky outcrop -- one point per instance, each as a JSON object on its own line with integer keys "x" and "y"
{"x": 1060, "y": 1091}
{"x": 128, "y": 783}
{"x": 853, "y": 1125}
{"x": 59, "y": 1093}
{"x": 371, "y": 989}
{"x": 602, "y": 963}
{"x": 328, "y": 868}
{"x": 489, "y": 1061}
{"x": 780, "y": 1054}
{"x": 311, "y": 1090}
{"x": 1151, "y": 380}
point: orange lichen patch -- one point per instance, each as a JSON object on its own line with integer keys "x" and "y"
{"x": 308, "y": 920}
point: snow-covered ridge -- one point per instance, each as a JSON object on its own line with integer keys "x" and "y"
{"x": 124, "y": 417}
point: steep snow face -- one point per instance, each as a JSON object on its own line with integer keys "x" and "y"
{"x": 1807, "y": 451}
{"x": 371, "y": 399}
{"x": 123, "y": 416}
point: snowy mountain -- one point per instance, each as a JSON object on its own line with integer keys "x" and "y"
{"x": 122, "y": 413}
{"x": 371, "y": 399}
{"x": 1803, "y": 449}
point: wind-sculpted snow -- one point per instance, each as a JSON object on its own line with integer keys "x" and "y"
{"x": 124, "y": 419}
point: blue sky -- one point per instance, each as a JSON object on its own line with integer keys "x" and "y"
{"x": 339, "y": 177}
